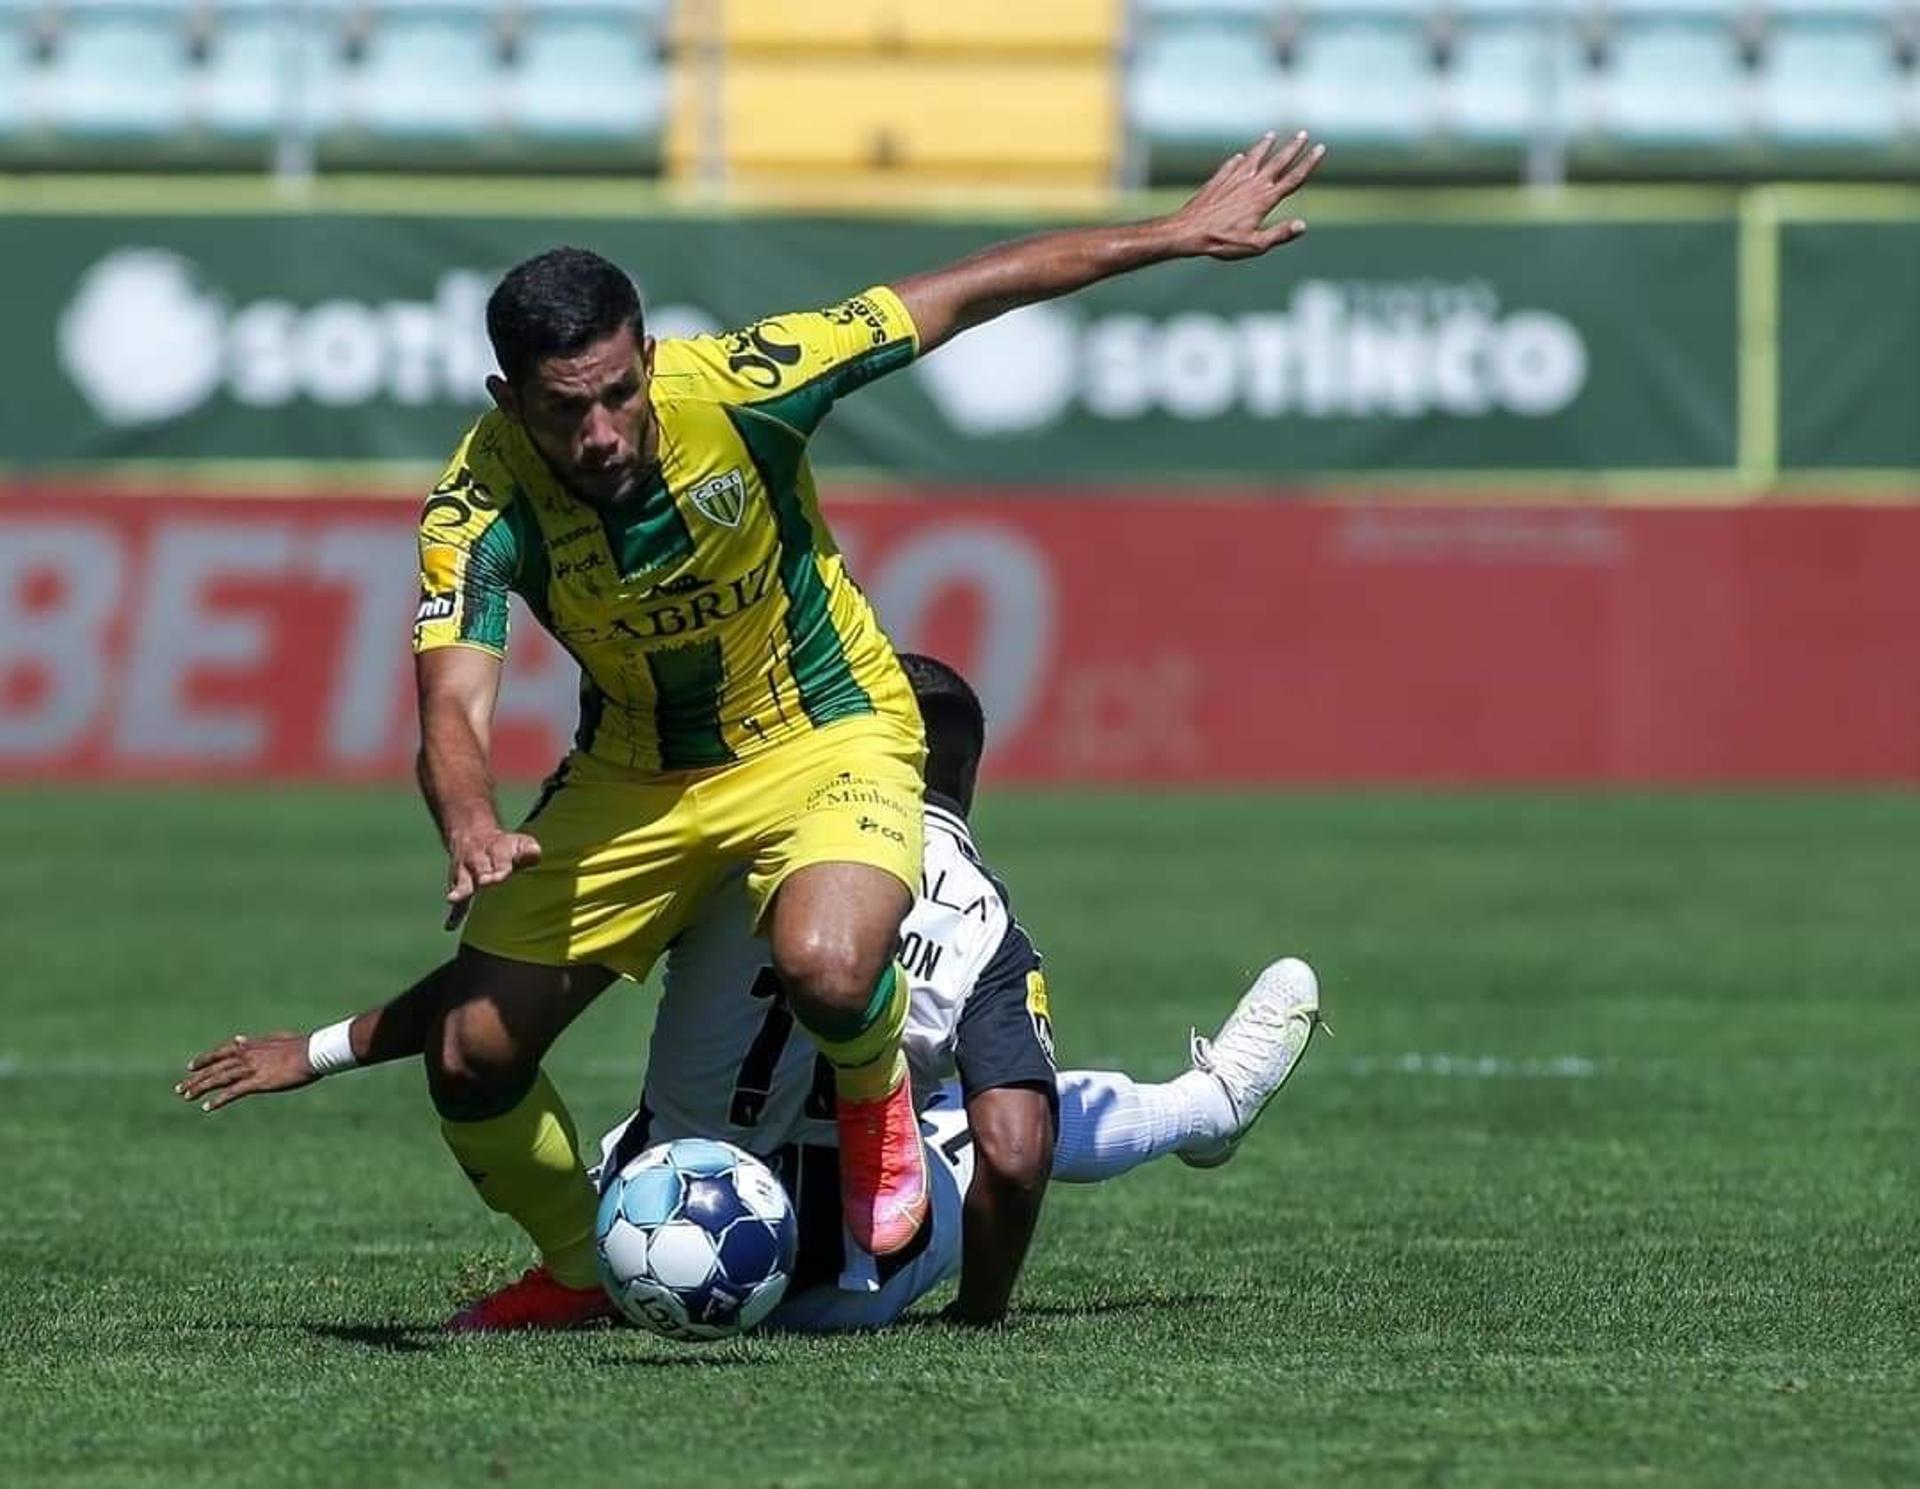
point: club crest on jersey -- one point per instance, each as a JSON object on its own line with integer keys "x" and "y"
{"x": 723, "y": 499}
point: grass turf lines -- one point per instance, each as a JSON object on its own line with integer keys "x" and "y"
{"x": 1608, "y": 1177}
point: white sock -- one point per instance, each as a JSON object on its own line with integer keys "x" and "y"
{"x": 1111, "y": 1123}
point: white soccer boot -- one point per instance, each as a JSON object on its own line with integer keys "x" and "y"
{"x": 1256, "y": 1050}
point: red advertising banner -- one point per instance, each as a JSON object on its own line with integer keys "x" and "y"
{"x": 1171, "y": 640}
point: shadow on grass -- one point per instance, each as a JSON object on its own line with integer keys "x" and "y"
{"x": 411, "y": 1339}
{"x": 694, "y": 1357}
{"x": 1181, "y": 1303}
{"x": 1191, "y": 1303}
{"x": 392, "y": 1339}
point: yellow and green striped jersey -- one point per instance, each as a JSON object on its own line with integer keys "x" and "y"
{"x": 711, "y": 616}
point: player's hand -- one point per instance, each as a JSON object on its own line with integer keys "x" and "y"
{"x": 246, "y": 1065}
{"x": 1226, "y": 218}
{"x": 478, "y": 859}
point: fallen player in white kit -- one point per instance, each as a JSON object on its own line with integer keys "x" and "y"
{"x": 728, "y": 1061}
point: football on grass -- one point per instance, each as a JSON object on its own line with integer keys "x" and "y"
{"x": 696, "y": 1240}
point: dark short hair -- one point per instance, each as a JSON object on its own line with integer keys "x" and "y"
{"x": 555, "y": 304}
{"x": 956, "y": 724}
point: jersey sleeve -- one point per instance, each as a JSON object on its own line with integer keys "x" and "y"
{"x": 795, "y": 366}
{"x": 469, "y": 559}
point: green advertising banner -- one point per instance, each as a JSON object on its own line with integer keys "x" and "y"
{"x": 1850, "y": 345}
{"x": 1377, "y": 346}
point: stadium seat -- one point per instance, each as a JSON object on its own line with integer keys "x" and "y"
{"x": 1830, "y": 82}
{"x": 1495, "y": 91}
{"x": 14, "y": 67}
{"x": 466, "y": 10}
{"x": 1674, "y": 82}
{"x": 1179, "y": 12}
{"x": 1627, "y": 11}
{"x": 117, "y": 73}
{"x": 979, "y": 27}
{"x": 915, "y": 116}
{"x": 1312, "y": 12}
{"x": 645, "y": 15}
{"x": 241, "y": 89}
{"x": 586, "y": 79}
{"x": 1488, "y": 10}
{"x": 1368, "y": 82}
{"x": 1211, "y": 84}
{"x": 434, "y": 76}
{"x": 1864, "y": 10}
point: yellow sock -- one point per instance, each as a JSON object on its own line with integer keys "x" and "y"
{"x": 865, "y": 1051}
{"x": 526, "y": 1164}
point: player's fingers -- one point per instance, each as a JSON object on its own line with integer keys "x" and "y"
{"x": 1227, "y": 168}
{"x": 229, "y": 1094}
{"x": 198, "y": 1084}
{"x": 526, "y": 851}
{"x": 1296, "y": 176}
{"x": 1281, "y": 232}
{"x": 1284, "y": 155}
{"x": 207, "y": 1057}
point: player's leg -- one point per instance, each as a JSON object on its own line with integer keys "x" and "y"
{"x": 617, "y": 869}
{"x": 506, "y": 1124}
{"x": 1110, "y": 1123}
{"x": 834, "y": 827}
{"x": 833, "y": 930}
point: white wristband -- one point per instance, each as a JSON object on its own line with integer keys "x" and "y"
{"x": 331, "y": 1049}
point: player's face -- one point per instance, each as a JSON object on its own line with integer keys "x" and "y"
{"x": 588, "y": 414}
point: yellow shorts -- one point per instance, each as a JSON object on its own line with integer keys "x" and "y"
{"x": 625, "y": 856}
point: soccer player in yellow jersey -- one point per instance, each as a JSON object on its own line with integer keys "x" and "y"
{"x": 653, "y": 506}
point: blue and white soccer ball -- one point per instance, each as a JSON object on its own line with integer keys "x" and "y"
{"x": 696, "y": 1240}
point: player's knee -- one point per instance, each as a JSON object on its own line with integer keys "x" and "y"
{"x": 826, "y": 974}
{"x": 1013, "y": 1139}
{"x": 469, "y": 1070}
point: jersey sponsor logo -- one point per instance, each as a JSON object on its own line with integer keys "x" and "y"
{"x": 454, "y": 506}
{"x": 849, "y": 790}
{"x": 439, "y": 568}
{"x": 863, "y": 310}
{"x": 723, "y": 499}
{"x": 712, "y": 604}
{"x": 1039, "y": 1011}
{"x": 585, "y": 563}
{"x": 439, "y": 583}
{"x": 760, "y": 358}
{"x": 873, "y": 824}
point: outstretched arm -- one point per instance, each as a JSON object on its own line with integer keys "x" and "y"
{"x": 1225, "y": 219}
{"x": 259, "y": 1064}
{"x": 458, "y": 686}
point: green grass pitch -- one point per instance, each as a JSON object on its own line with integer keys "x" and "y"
{"x": 1609, "y": 1176}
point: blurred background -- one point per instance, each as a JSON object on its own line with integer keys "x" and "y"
{"x": 1576, "y": 441}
